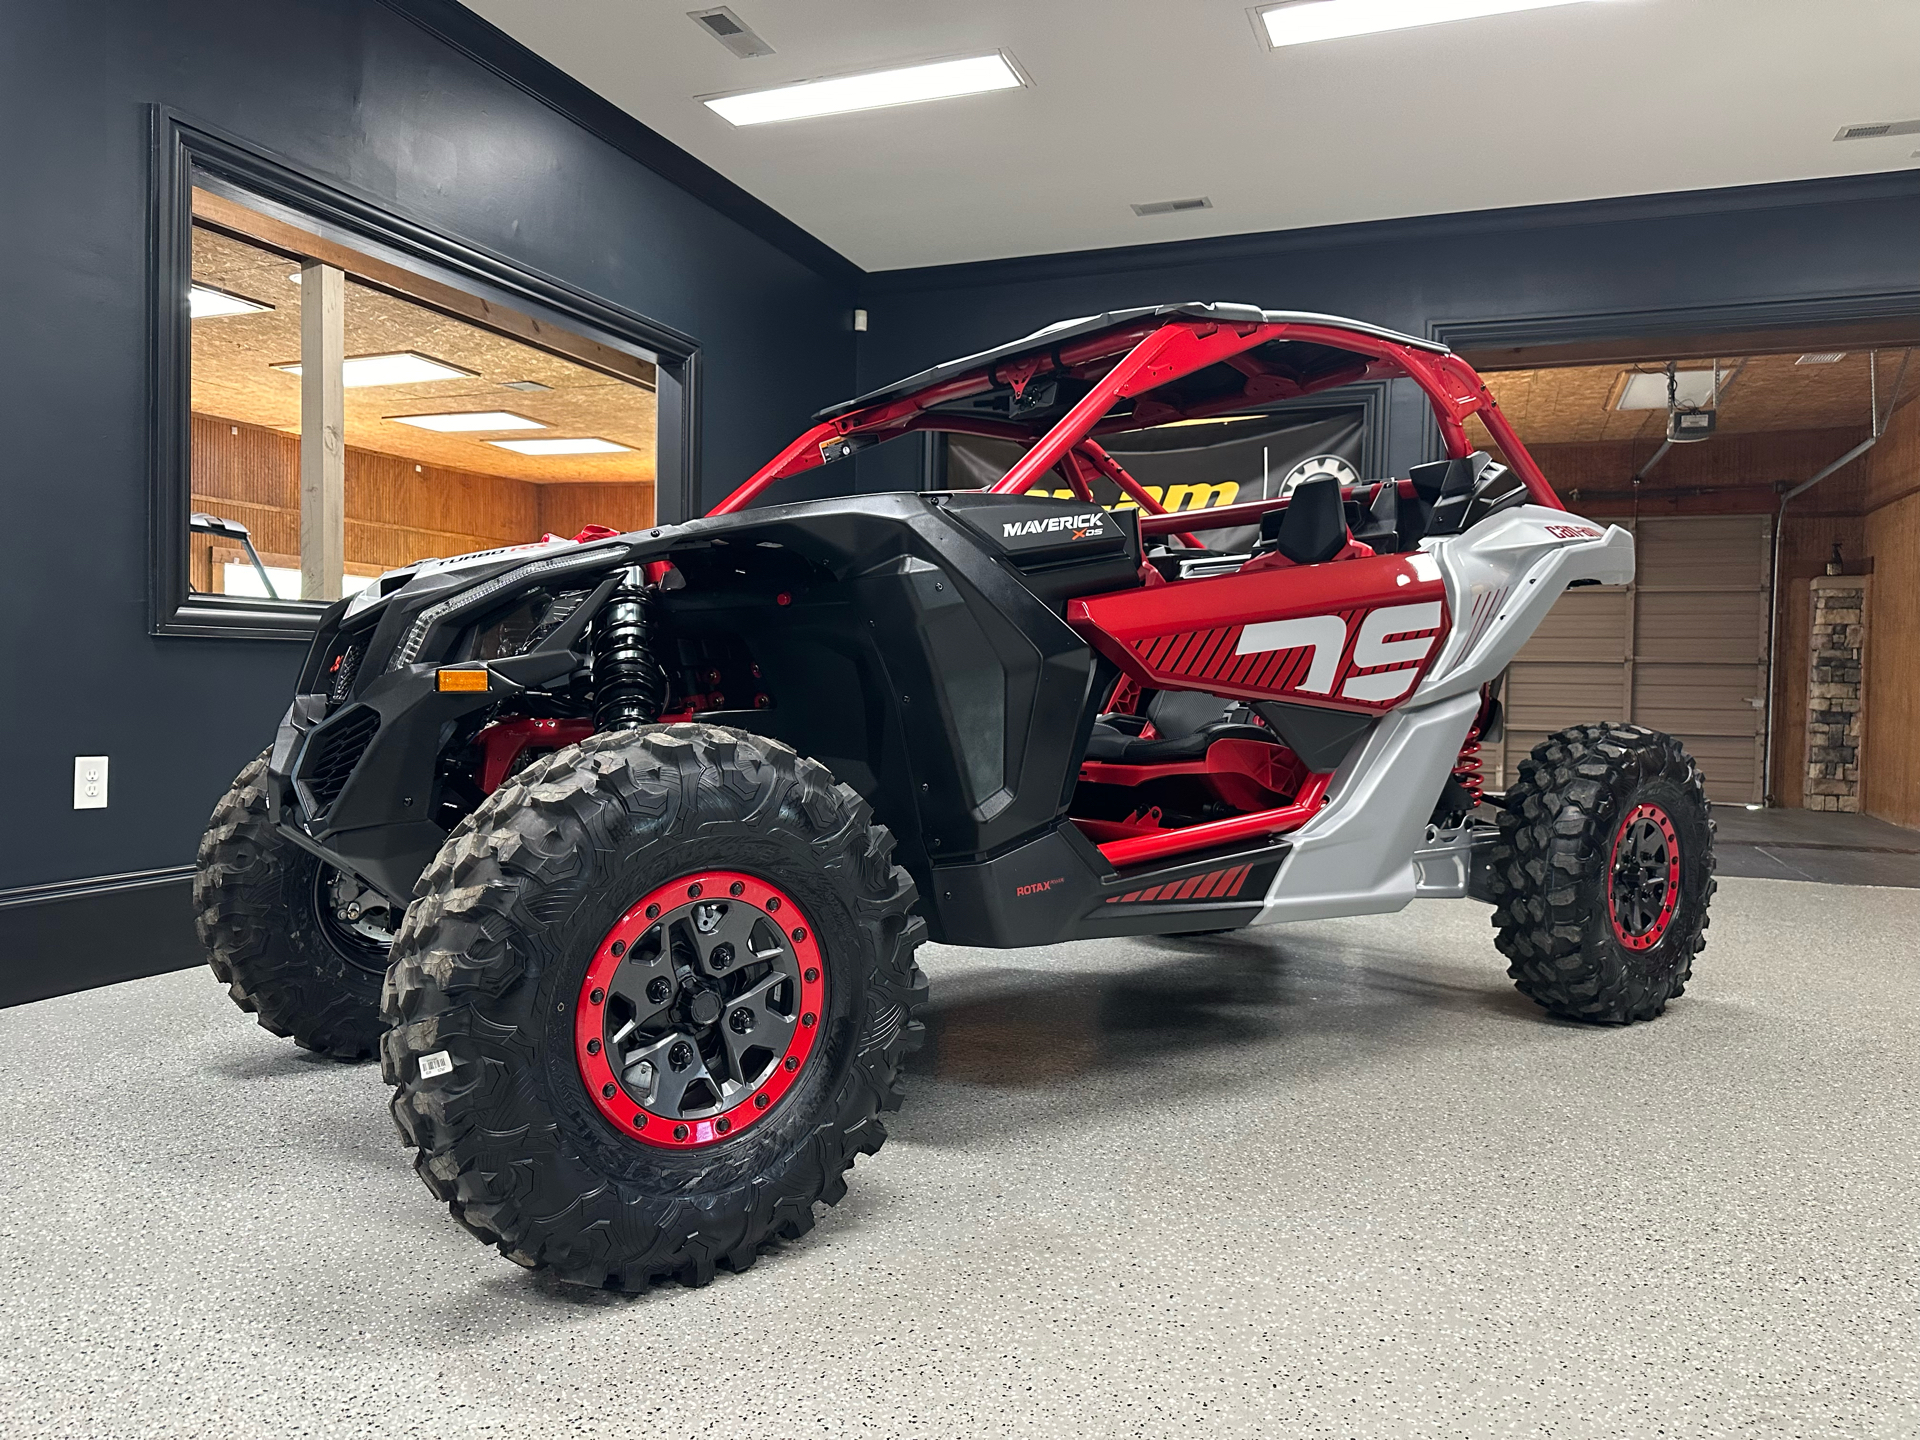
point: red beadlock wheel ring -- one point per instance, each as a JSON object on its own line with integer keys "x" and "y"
{"x": 669, "y": 904}
{"x": 1643, "y": 885}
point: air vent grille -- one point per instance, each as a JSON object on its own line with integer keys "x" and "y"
{"x": 333, "y": 753}
{"x": 1173, "y": 207}
{"x": 731, "y": 31}
{"x": 1879, "y": 130}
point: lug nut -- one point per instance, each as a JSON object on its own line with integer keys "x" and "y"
{"x": 721, "y": 957}
{"x": 658, "y": 990}
{"x": 680, "y": 1056}
{"x": 741, "y": 1020}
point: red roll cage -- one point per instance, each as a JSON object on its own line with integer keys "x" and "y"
{"x": 1143, "y": 362}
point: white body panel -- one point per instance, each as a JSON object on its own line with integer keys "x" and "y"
{"x": 1357, "y": 856}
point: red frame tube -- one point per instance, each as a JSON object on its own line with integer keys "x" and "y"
{"x": 1122, "y": 853}
{"x": 1155, "y": 355}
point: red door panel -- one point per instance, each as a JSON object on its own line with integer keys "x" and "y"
{"x": 1350, "y": 634}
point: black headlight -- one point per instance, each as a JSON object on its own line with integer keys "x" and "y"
{"x": 522, "y": 628}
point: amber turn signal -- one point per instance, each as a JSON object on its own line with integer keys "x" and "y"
{"x": 463, "y": 679}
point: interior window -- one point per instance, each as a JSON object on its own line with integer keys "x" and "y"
{"x": 348, "y": 418}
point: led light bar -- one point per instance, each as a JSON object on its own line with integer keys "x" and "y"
{"x": 907, "y": 85}
{"x": 1302, "y": 22}
{"x": 404, "y": 367}
{"x": 585, "y": 445}
{"x": 204, "y": 302}
{"x": 457, "y": 420}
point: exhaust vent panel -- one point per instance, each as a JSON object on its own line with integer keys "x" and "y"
{"x": 1879, "y": 130}
{"x": 1173, "y": 207}
{"x": 731, "y": 31}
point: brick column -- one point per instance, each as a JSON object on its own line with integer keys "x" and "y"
{"x": 1836, "y": 691}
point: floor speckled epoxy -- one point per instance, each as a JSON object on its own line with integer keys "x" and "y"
{"x": 1322, "y": 1180}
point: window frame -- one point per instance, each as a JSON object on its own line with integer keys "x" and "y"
{"x": 186, "y": 152}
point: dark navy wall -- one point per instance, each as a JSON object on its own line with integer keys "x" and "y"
{"x": 360, "y": 95}
{"x": 1714, "y": 260}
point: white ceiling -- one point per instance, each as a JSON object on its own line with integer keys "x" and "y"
{"x": 1139, "y": 100}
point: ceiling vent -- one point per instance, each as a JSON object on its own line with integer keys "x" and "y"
{"x": 731, "y": 31}
{"x": 1879, "y": 131}
{"x": 1173, "y": 207}
{"x": 1822, "y": 357}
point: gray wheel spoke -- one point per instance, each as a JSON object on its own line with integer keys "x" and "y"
{"x": 665, "y": 1088}
{"x": 728, "y": 923}
{"x": 764, "y": 1027}
{"x": 631, "y": 981}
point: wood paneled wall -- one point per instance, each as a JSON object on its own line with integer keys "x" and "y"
{"x": 397, "y": 511}
{"x": 1890, "y": 767}
{"x": 1730, "y": 474}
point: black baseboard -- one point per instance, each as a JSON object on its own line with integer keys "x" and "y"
{"x": 56, "y": 939}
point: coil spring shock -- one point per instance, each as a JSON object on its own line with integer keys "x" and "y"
{"x": 629, "y": 687}
{"x": 1467, "y": 768}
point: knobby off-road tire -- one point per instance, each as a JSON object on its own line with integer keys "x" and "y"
{"x": 1587, "y": 926}
{"x": 491, "y": 974}
{"x": 256, "y": 901}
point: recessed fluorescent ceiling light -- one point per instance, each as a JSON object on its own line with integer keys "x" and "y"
{"x": 587, "y": 446}
{"x": 1822, "y": 357}
{"x": 940, "y": 80}
{"x": 470, "y": 420}
{"x": 1304, "y": 21}
{"x": 404, "y": 368}
{"x": 1647, "y": 389}
{"x": 527, "y": 385}
{"x": 203, "y": 301}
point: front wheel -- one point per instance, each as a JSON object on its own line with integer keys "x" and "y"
{"x": 649, "y": 1003}
{"x": 299, "y": 944}
{"x": 1602, "y": 873}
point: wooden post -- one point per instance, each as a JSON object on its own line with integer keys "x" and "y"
{"x": 323, "y": 425}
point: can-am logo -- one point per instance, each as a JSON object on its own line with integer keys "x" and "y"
{"x": 1092, "y": 523}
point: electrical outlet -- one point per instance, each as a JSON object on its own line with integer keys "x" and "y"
{"x": 89, "y": 782}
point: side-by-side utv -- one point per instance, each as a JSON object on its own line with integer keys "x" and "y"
{"x": 618, "y": 850}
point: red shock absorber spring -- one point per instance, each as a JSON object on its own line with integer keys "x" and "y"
{"x": 1467, "y": 769}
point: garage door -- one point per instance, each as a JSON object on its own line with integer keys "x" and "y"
{"x": 1682, "y": 649}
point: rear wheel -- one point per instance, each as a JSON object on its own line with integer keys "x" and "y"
{"x": 297, "y": 943}
{"x": 1603, "y": 872}
{"x": 649, "y": 1005}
